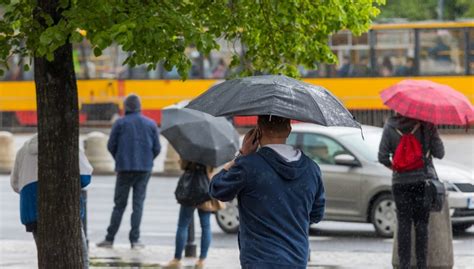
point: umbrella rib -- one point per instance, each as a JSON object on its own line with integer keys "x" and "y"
{"x": 319, "y": 109}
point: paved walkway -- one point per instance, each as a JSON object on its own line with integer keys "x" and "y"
{"x": 22, "y": 254}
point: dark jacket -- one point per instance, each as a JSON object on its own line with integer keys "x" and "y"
{"x": 134, "y": 140}
{"x": 277, "y": 202}
{"x": 391, "y": 139}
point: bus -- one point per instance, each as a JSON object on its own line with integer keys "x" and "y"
{"x": 439, "y": 51}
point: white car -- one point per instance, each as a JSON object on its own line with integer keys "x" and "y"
{"x": 358, "y": 187}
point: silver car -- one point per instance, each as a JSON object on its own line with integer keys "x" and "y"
{"x": 358, "y": 187}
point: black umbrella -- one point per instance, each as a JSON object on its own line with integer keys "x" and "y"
{"x": 274, "y": 95}
{"x": 199, "y": 137}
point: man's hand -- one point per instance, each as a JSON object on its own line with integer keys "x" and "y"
{"x": 250, "y": 143}
{"x": 229, "y": 165}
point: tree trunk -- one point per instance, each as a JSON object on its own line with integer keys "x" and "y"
{"x": 59, "y": 234}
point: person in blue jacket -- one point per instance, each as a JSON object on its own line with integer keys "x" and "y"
{"x": 24, "y": 180}
{"x": 280, "y": 193}
{"x": 134, "y": 144}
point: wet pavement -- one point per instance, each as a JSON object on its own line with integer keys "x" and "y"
{"x": 333, "y": 244}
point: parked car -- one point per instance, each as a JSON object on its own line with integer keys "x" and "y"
{"x": 358, "y": 187}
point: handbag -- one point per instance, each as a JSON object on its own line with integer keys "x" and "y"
{"x": 435, "y": 191}
{"x": 212, "y": 205}
{"x": 193, "y": 187}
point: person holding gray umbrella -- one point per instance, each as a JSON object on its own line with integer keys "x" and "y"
{"x": 279, "y": 189}
{"x": 186, "y": 212}
{"x": 199, "y": 137}
{"x": 203, "y": 142}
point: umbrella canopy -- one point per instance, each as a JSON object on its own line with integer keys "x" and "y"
{"x": 200, "y": 137}
{"x": 274, "y": 95}
{"x": 429, "y": 101}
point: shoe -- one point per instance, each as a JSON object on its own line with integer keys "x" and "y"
{"x": 199, "y": 264}
{"x": 105, "y": 244}
{"x": 137, "y": 245}
{"x": 173, "y": 264}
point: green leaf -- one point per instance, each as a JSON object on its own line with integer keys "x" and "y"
{"x": 58, "y": 35}
{"x": 76, "y": 37}
{"x": 277, "y": 36}
{"x": 97, "y": 52}
{"x": 50, "y": 57}
{"x": 26, "y": 67}
{"x": 41, "y": 51}
{"x": 46, "y": 38}
{"x": 63, "y": 3}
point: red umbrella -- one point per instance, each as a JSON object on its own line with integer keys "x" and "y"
{"x": 429, "y": 101}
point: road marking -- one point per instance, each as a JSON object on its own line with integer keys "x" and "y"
{"x": 320, "y": 238}
{"x": 390, "y": 240}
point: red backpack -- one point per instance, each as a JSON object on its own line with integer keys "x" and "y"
{"x": 409, "y": 154}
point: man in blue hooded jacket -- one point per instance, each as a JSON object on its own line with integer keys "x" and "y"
{"x": 134, "y": 143}
{"x": 279, "y": 192}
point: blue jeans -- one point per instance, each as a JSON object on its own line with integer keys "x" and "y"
{"x": 185, "y": 216}
{"x": 125, "y": 181}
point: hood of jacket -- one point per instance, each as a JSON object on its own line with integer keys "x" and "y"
{"x": 286, "y": 170}
{"x": 32, "y": 145}
{"x": 132, "y": 104}
{"x": 402, "y": 123}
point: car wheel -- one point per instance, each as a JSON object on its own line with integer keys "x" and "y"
{"x": 228, "y": 218}
{"x": 383, "y": 215}
{"x": 461, "y": 227}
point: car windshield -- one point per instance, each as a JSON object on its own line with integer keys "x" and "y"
{"x": 367, "y": 147}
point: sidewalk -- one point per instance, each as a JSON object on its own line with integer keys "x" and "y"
{"x": 22, "y": 254}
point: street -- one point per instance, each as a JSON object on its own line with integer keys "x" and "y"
{"x": 161, "y": 213}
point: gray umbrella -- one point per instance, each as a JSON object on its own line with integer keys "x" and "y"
{"x": 274, "y": 95}
{"x": 200, "y": 137}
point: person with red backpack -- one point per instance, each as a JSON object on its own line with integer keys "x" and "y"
{"x": 407, "y": 148}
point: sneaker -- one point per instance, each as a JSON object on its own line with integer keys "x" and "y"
{"x": 105, "y": 244}
{"x": 173, "y": 264}
{"x": 199, "y": 264}
{"x": 137, "y": 245}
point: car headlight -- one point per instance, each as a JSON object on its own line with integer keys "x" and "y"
{"x": 451, "y": 212}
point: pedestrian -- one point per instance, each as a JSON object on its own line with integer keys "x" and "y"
{"x": 134, "y": 144}
{"x": 24, "y": 181}
{"x": 280, "y": 193}
{"x": 386, "y": 69}
{"x": 408, "y": 187}
{"x": 347, "y": 68}
{"x": 186, "y": 214}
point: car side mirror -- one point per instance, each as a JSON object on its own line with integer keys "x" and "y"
{"x": 346, "y": 159}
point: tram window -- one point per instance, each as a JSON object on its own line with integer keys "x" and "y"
{"x": 442, "y": 52}
{"x": 216, "y": 64}
{"x": 353, "y": 54}
{"x": 471, "y": 51}
{"x": 173, "y": 74}
{"x": 108, "y": 65}
{"x": 319, "y": 71}
{"x": 30, "y": 74}
{"x": 195, "y": 71}
{"x": 14, "y": 71}
{"x": 353, "y": 63}
{"x": 141, "y": 72}
{"x": 394, "y": 53}
{"x": 196, "y": 62}
{"x": 81, "y": 60}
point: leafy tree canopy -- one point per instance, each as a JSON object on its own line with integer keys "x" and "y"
{"x": 416, "y": 10}
{"x": 277, "y": 35}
